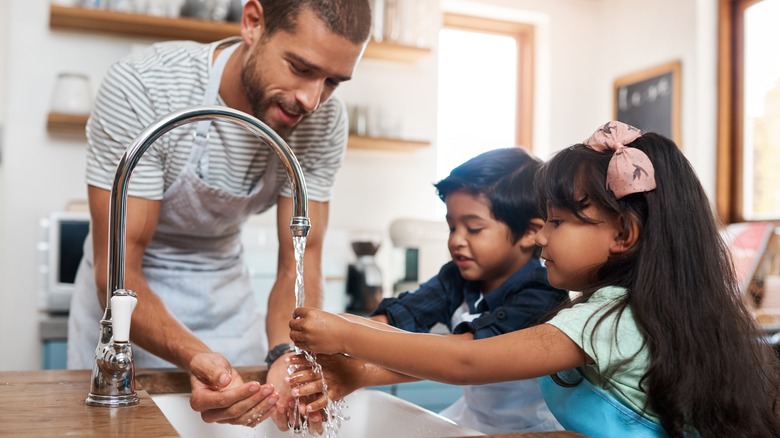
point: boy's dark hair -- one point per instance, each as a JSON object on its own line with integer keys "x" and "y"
{"x": 348, "y": 18}
{"x": 506, "y": 178}
{"x": 708, "y": 367}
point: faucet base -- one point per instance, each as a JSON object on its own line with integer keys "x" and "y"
{"x": 112, "y": 401}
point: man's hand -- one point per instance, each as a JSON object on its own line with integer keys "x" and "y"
{"x": 277, "y": 376}
{"x": 221, "y": 396}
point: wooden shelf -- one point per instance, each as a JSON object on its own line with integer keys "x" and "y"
{"x": 67, "y": 123}
{"x": 120, "y": 23}
{"x": 185, "y": 28}
{"x": 385, "y": 144}
{"x": 395, "y": 52}
{"x": 76, "y": 124}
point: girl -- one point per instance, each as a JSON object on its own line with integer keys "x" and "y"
{"x": 659, "y": 340}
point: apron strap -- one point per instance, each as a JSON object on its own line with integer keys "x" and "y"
{"x": 209, "y": 98}
{"x": 567, "y": 378}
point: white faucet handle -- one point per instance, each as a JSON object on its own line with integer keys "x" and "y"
{"x": 122, "y": 305}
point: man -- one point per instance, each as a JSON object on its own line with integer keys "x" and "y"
{"x": 192, "y": 190}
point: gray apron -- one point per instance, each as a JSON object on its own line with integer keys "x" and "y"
{"x": 194, "y": 261}
{"x": 503, "y": 407}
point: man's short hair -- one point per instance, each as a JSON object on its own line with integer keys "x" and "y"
{"x": 348, "y": 18}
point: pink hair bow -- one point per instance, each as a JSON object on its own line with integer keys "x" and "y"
{"x": 630, "y": 170}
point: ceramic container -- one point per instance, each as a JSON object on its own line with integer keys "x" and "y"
{"x": 72, "y": 94}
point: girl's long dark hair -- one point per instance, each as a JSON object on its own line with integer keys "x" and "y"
{"x": 708, "y": 366}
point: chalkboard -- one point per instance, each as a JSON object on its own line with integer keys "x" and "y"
{"x": 650, "y": 100}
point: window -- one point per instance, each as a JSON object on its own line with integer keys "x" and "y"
{"x": 748, "y": 186}
{"x": 485, "y": 88}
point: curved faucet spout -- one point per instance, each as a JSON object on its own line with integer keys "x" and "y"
{"x": 299, "y": 224}
{"x": 110, "y": 387}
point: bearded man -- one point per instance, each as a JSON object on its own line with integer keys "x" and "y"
{"x": 193, "y": 189}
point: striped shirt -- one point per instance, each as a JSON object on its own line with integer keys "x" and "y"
{"x": 170, "y": 76}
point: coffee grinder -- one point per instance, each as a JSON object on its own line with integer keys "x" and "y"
{"x": 419, "y": 251}
{"x": 364, "y": 278}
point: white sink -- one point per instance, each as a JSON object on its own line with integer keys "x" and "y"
{"x": 371, "y": 414}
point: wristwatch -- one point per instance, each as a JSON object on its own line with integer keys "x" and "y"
{"x": 277, "y": 352}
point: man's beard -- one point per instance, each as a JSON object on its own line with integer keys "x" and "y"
{"x": 260, "y": 103}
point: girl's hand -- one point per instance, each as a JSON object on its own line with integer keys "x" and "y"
{"x": 318, "y": 331}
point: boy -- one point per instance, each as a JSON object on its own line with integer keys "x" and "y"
{"x": 494, "y": 284}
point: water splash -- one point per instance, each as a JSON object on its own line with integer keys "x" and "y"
{"x": 334, "y": 409}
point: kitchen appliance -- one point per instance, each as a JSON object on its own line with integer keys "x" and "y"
{"x": 60, "y": 250}
{"x": 364, "y": 278}
{"x": 61, "y": 247}
{"x": 419, "y": 251}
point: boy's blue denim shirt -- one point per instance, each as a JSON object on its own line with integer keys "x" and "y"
{"x": 525, "y": 299}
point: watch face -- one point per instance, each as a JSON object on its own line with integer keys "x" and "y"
{"x": 277, "y": 352}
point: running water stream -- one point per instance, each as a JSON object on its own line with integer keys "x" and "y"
{"x": 333, "y": 411}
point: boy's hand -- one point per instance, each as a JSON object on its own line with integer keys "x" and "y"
{"x": 342, "y": 376}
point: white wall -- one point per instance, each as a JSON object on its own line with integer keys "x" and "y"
{"x": 582, "y": 45}
{"x": 3, "y": 48}
{"x": 41, "y": 172}
{"x": 640, "y": 34}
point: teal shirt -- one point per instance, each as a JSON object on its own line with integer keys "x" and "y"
{"x": 612, "y": 342}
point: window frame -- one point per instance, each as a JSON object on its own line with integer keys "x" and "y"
{"x": 730, "y": 131}
{"x": 524, "y": 36}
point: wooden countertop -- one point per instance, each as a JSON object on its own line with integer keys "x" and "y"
{"x": 51, "y": 403}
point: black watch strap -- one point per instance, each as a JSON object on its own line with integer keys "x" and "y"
{"x": 277, "y": 352}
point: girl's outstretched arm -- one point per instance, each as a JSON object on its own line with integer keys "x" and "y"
{"x": 528, "y": 353}
{"x": 344, "y": 374}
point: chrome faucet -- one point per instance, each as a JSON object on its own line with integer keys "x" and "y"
{"x": 113, "y": 373}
